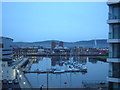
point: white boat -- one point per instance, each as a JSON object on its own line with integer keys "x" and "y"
{"x": 75, "y": 69}
{"x": 70, "y": 69}
{"x": 84, "y": 68}
{"x": 59, "y": 71}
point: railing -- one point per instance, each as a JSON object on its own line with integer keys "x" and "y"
{"x": 111, "y": 16}
{"x": 110, "y": 35}
{"x": 114, "y": 74}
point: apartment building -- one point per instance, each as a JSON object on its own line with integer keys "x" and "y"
{"x": 6, "y": 58}
{"x": 114, "y": 45}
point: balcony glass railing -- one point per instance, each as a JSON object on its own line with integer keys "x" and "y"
{"x": 114, "y": 36}
{"x": 110, "y": 35}
{"x": 116, "y": 50}
{"x": 110, "y": 73}
{"x": 110, "y": 54}
{"x": 114, "y": 74}
{"x": 116, "y": 55}
{"x": 112, "y": 16}
{"x": 115, "y": 33}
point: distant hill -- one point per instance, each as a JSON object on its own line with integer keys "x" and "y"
{"x": 99, "y": 43}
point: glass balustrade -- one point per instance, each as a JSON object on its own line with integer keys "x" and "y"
{"x": 114, "y": 12}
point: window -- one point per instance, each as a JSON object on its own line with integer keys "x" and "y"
{"x": 116, "y": 70}
{"x": 1, "y": 45}
{"x": 116, "y": 86}
{"x": 110, "y": 85}
{"x": 116, "y": 50}
{"x": 114, "y": 12}
{"x": 116, "y": 31}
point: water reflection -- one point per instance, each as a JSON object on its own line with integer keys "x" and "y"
{"x": 68, "y": 80}
{"x": 93, "y": 61}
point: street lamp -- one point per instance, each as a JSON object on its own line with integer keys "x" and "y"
{"x": 41, "y": 87}
{"x": 23, "y": 82}
{"x": 47, "y": 81}
{"x": 20, "y": 75}
{"x": 18, "y": 71}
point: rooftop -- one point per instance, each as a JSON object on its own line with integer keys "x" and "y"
{"x": 6, "y": 38}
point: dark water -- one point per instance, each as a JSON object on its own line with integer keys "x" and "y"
{"x": 96, "y": 71}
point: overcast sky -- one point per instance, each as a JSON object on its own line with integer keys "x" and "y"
{"x": 66, "y": 21}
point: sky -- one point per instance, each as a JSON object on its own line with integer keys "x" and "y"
{"x": 65, "y": 21}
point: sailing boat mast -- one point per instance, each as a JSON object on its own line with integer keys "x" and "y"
{"x": 95, "y": 42}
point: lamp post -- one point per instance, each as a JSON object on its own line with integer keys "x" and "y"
{"x": 65, "y": 84}
{"x": 47, "y": 81}
{"x": 41, "y": 87}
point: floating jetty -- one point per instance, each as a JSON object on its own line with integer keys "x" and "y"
{"x": 66, "y": 54}
{"x": 95, "y": 84}
{"x": 98, "y": 58}
{"x": 57, "y": 71}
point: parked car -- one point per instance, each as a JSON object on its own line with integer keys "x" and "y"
{"x": 15, "y": 81}
{"x": 10, "y": 81}
{"x": 4, "y": 81}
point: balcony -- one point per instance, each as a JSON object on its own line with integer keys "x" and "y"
{"x": 110, "y": 35}
{"x": 113, "y": 18}
{"x": 113, "y": 21}
{"x": 113, "y": 40}
{"x": 115, "y": 60}
{"x": 111, "y": 2}
{"x": 111, "y": 79}
{"x": 114, "y": 74}
{"x": 114, "y": 35}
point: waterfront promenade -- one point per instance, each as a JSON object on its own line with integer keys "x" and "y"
{"x": 23, "y": 81}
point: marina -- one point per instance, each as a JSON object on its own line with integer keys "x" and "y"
{"x": 60, "y": 45}
{"x": 62, "y": 72}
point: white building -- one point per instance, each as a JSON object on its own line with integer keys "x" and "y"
{"x": 7, "y": 49}
{"x": 6, "y": 58}
{"x": 114, "y": 44}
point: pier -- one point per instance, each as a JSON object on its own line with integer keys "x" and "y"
{"x": 65, "y": 71}
{"x": 63, "y": 54}
{"x": 66, "y": 55}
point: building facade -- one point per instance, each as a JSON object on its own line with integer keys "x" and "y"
{"x": 6, "y": 58}
{"x": 60, "y": 44}
{"x": 7, "y": 49}
{"x": 53, "y": 45}
{"x": 114, "y": 45}
{"x": 20, "y": 52}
